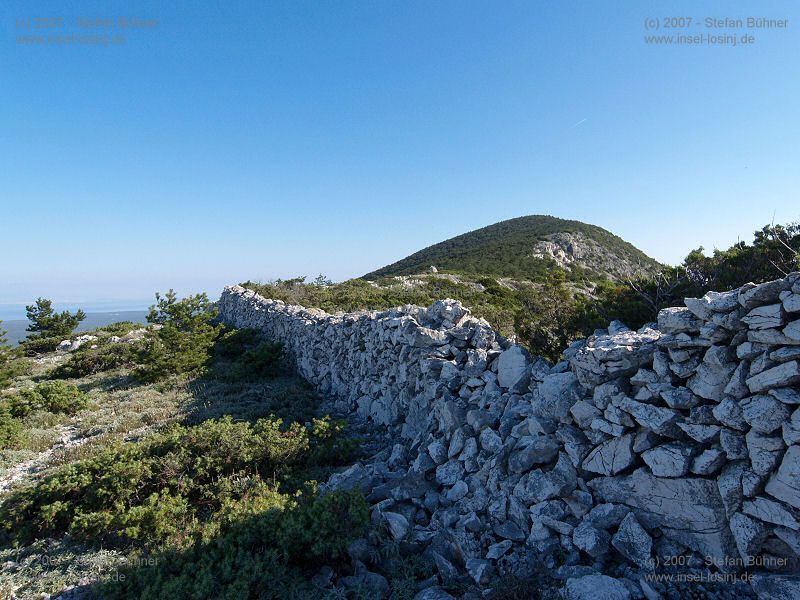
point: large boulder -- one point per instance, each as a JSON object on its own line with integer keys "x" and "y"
{"x": 514, "y": 368}
{"x": 688, "y": 510}
{"x": 784, "y": 375}
{"x": 555, "y": 396}
{"x": 785, "y": 483}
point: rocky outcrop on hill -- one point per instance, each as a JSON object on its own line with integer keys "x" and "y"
{"x": 568, "y": 250}
{"x": 676, "y": 446}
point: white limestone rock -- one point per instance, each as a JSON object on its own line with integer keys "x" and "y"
{"x": 633, "y": 542}
{"x": 449, "y": 473}
{"x": 765, "y": 451}
{"x": 556, "y": 395}
{"x": 784, "y": 375}
{"x": 785, "y": 484}
{"x": 749, "y": 535}
{"x": 678, "y": 319}
{"x": 751, "y": 296}
{"x": 592, "y": 587}
{"x": 532, "y": 451}
{"x": 669, "y": 460}
{"x": 708, "y": 462}
{"x": 710, "y": 380}
{"x": 792, "y": 331}
{"x": 611, "y": 457}
{"x": 688, "y": 510}
{"x": 608, "y": 357}
{"x": 776, "y": 587}
{"x": 733, "y": 444}
{"x": 590, "y": 539}
{"x": 397, "y": 524}
{"x": 729, "y": 413}
{"x": 764, "y": 414}
{"x": 479, "y": 570}
{"x": 490, "y": 441}
{"x": 770, "y": 511}
{"x": 791, "y": 302}
{"x": 765, "y": 317}
{"x": 662, "y": 421}
{"x": 513, "y": 368}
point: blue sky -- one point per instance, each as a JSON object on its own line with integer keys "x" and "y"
{"x": 270, "y": 139}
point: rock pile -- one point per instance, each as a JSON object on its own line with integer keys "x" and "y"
{"x": 677, "y": 445}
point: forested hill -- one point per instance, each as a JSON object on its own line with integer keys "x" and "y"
{"x": 529, "y": 247}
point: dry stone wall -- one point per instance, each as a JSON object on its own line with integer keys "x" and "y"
{"x": 680, "y": 439}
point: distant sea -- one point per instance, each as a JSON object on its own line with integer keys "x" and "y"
{"x": 16, "y": 327}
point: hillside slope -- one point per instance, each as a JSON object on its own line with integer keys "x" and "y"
{"x": 528, "y": 247}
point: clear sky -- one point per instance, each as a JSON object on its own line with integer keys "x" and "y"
{"x": 242, "y": 140}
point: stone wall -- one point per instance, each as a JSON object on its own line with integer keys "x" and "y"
{"x": 680, "y": 439}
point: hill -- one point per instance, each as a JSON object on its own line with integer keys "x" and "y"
{"x": 529, "y": 247}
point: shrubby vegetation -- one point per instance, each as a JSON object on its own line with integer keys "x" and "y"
{"x": 270, "y": 550}
{"x": 10, "y": 427}
{"x": 242, "y": 355}
{"x": 53, "y": 397}
{"x": 11, "y": 364}
{"x": 50, "y": 396}
{"x": 87, "y": 360}
{"x": 169, "y": 485}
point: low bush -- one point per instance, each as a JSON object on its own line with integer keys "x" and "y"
{"x": 13, "y": 367}
{"x": 51, "y": 396}
{"x": 243, "y": 355}
{"x": 10, "y": 428}
{"x": 40, "y": 345}
{"x": 89, "y": 361}
{"x": 119, "y": 328}
{"x": 270, "y": 551}
{"x": 166, "y": 486}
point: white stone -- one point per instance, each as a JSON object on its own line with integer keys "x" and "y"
{"x": 593, "y": 587}
{"x": 784, "y": 375}
{"x": 785, "y": 484}
{"x": 513, "y": 368}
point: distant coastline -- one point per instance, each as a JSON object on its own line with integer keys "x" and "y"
{"x": 16, "y": 328}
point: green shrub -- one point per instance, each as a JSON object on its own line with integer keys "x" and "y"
{"x": 88, "y": 361}
{"x": 40, "y": 345}
{"x": 51, "y": 396}
{"x": 269, "y": 551}
{"x": 13, "y": 367}
{"x": 10, "y": 428}
{"x": 11, "y": 364}
{"x": 183, "y": 342}
{"x": 319, "y": 530}
{"x": 243, "y": 355}
{"x": 119, "y": 328}
{"x": 166, "y": 486}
